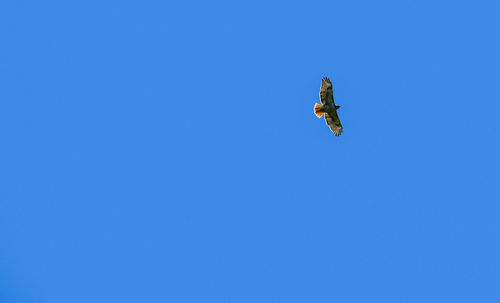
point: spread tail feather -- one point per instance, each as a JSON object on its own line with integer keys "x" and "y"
{"x": 317, "y": 110}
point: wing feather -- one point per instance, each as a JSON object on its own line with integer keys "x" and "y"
{"x": 326, "y": 91}
{"x": 333, "y": 121}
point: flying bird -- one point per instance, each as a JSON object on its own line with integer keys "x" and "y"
{"x": 328, "y": 107}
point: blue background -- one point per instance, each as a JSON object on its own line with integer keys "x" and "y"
{"x": 167, "y": 151}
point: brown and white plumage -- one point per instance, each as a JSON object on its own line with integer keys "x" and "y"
{"x": 328, "y": 107}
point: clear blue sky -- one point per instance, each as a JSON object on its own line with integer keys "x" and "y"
{"x": 167, "y": 151}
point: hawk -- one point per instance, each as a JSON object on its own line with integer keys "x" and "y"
{"x": 328, "y": 107}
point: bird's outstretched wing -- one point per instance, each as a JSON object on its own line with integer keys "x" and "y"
{"x": 332, "y": 119}
{"x": 326, "y": 91}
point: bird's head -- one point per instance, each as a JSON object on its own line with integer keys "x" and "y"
{"x": 337, "y": 106}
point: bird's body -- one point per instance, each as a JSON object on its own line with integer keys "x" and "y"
{"x": 328, "y": 107}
